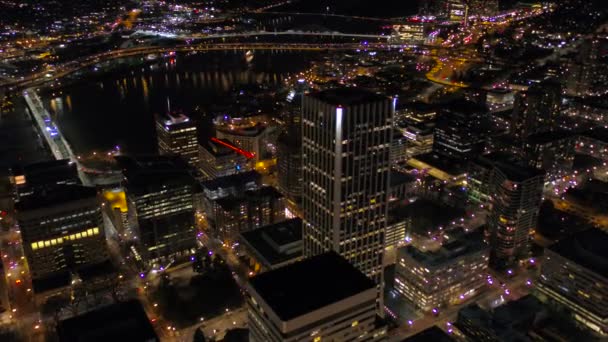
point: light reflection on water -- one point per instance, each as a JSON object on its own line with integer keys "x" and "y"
{"x": 118, "y": 108}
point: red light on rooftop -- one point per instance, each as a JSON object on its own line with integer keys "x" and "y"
{"x": 247, "y": 154}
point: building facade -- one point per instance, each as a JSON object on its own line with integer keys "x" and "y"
{"x": 516, "y": 197}
{"x": 160, "y": 194}
{"x": 289, "y": 164}
{"x": 450, "y": 275}
{"x": 346, "y": 145}
{"x": 573, "y": 275}
{"x": 460, "y": 130}
{"x": 62, "y": 231}
{"x": 218, "y": 160}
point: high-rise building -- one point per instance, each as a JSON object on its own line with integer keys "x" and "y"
{"x": 451, "y": 274}
{"x": 62, "y": 232}
{"x": 177, "y": 134}
{"x": 460, "y": 130}
{"x": 574, "y": 276}
{"x": 218, "y": 159}
{"x": 160, "y": 193}
{"x": 323, "y": 298}
{"x": 346, "y": 144}
{"x": 536, "y": 110}
{"x": 289, "y": 162}
{"x": 516, "y": 192}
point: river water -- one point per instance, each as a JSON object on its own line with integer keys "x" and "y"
{"x": 100, "y": 112}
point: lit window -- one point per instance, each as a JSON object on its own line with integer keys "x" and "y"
{"x": 35, "y": 245}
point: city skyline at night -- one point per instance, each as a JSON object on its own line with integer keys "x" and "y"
{"x": 303, "y": 170}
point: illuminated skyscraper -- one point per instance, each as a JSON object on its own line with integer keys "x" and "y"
{"x": 516, "y": 193}
{"x": 346, "y": 144}
{"x": 177, "y": 135}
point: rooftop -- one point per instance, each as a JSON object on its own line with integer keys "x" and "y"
{"x": 434, "y": 334}
{"x": 173, "y": 118}
{"x": 344, "y": 96}
{"x": 123, "y": 321}
{"x": 238, "y": 179}
{"x": 459, "y": 245}
{"x": 218, "y": 150}
{"x": 260, "y": 194}
{"x": 587, "y": 248}
{"x": 55, "y": 196}
{"x": 309, "y": 285}
{"x": 145, "y": 174}
{"x": 511, "y": 165}
{"x": 267, "y": 240}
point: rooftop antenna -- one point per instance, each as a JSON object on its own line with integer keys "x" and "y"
{"x": 168, "y": 105}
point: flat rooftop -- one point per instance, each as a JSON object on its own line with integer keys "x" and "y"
{"x": 218, "y": 150}
{"x": 126, "y": 321}
{"x": 511, "y": 165}
{"x": 173, "y": 118}
{"x": 587, "y": 248}
{"x": 238, "y": 179}
{"x": 458, "y": 245}
{"x": 347, "y": 96}
{"x": 265, "y": 240}
{"x": 146, "y": 174}
{"x": 55, "y": 196}
{"x": 309, "y": 285}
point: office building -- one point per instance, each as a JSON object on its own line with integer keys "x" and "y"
{"x": 218, "y": 159}
{"x": 233, "y": 215}
{"x": 516, "y": 192}
{"x": 177, "y": 134}
{"x": 36, "y": 177}
{"x": 346, "y": 166}
{"x": 62, "y": 232}
{"x": 574, "y": 275}
{"x": 536, "y": 109}
{"x": 274, "y": 246}
{"x": 160, "y": 193}
{"x": 451, "y": 274}
{"x": 289, "y": 162}
{"x": 323, "y": 298}
{"x": 123, "y": 321}
{"x": 460, "y": 130}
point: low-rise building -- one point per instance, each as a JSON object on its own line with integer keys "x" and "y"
{"x": 432, "y": 279}
{"x": 273, "y": 246}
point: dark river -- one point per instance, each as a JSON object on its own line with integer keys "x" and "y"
{"x": 99, "y": 112}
